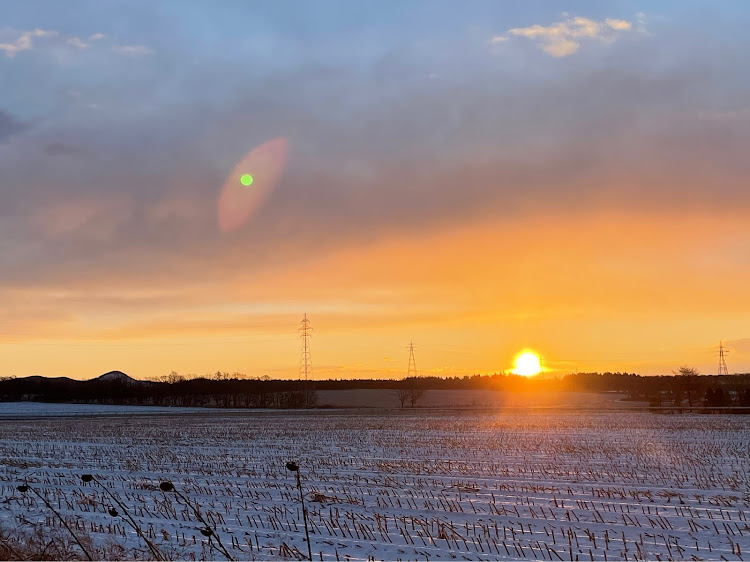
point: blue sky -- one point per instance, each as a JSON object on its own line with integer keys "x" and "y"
{"x": 252, "y": 40}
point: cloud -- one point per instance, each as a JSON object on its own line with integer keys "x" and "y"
{"x": 564, "y": 38}
{"x": 13, "y": 42}
{"x": 725, "y": 114}
{"x": 640, "y": 23}
{"x": 76, "y": 42}
{"x": 9, "y": 126}
{"x": 619, "y": 25}
{"x": 23, "y": 41}
{"x": 366, "y": 173}
{"x": 91, "y": 220}
{"x": 387, "y": 161}
{"x": 60, "y": 149}
{"x": 133, "y": 50}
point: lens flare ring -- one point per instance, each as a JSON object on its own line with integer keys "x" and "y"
{"x": 237, "y": 204}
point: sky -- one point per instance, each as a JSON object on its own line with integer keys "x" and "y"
{"x": 477, "y": 177}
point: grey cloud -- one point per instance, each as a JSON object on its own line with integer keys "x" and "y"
{"x": 372, "y": 154}
{"x": 61, "y": 149}
{"x": 133, "y": 50}
{"x": 9, "y": 126}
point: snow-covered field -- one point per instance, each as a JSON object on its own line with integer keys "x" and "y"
{"x": 412, "y": 486}
{"x": 40, "y": 409}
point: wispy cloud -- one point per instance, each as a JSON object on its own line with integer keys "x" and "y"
{"x": 59, "y": 149}
{"x": 133, "y": 50}
{"x": 22, "y": 40}
{"x": 564, "y": 38}
{"x": 725, "y": 114}
{"x": 13, "y": 42}
{"x": 77, "y": 42}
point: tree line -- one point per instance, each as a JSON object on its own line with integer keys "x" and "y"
{"x": 685, "y": 387}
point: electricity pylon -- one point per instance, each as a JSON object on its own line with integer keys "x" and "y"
{"x": 415, "y": 389}
{"x": 412, "y": 369}
{"x": 722, "y": 359}
{"x": 305, "y": 359}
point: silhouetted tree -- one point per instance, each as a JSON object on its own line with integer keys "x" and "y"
{"x": 688, "y": 382}
{"x": 235, "y": 391}
{"x": 416, "y": 386}
{"x": 403, "y": 396}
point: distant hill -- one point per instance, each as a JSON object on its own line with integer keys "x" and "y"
{"x": 117, "y": 376}
{"x": 41, "y": 379}
{"x": 111, "y": 387}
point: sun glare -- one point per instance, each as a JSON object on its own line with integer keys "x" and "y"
{"x": 527, "y": 364}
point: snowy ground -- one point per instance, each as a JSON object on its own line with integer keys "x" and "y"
{"x": 40, "y": 409}
{"x": 426, "y": 486}
{"x": 384, "y": 398}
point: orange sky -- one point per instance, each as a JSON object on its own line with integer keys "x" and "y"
{"x": 576, "y": 290}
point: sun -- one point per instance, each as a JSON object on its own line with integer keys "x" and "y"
{"x": 528, "y": 364}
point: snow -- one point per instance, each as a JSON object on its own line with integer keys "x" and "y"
{"x": 394, "y": 485}
{"x": 43, "y": 409}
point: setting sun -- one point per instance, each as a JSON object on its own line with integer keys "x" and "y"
{"x": 528, "y": 364}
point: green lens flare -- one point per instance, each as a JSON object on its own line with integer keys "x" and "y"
{"x": 246, "y": 179}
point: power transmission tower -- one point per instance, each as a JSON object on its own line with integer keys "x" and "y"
{"x": 305, "y": 360}
{"x": 412, "y": 369}
{"x": 416, "y": 389}
{"x": 722, "y": 359}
